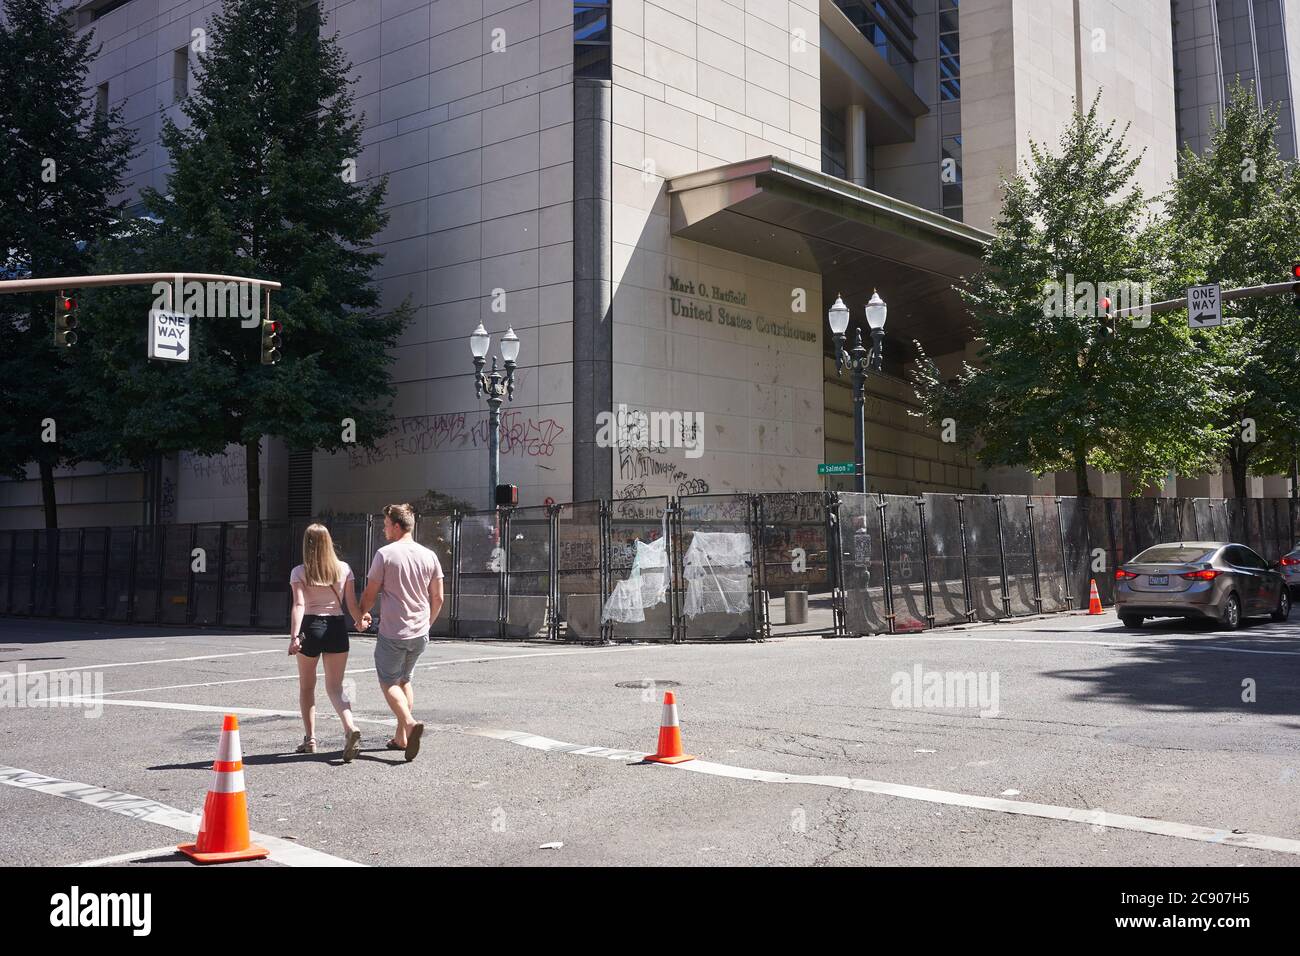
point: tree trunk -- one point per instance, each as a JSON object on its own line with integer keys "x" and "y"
{"x": 1081, "y": 475}
{"x": 252, "y": 458}
{"x": 1238, "y": 463}
{"x": 1295, "y": 471}
{"x": 47, "y": 492}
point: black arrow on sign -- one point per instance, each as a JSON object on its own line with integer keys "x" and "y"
{"x": 175, "y": 347}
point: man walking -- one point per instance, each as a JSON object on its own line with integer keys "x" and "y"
{"x": 409, "y": 577}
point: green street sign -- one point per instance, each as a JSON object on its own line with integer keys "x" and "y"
{"x": 836, "y": 468}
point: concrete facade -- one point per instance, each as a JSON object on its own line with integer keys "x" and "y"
{"x": 522, "y": 195}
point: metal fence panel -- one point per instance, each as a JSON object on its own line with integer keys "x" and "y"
{"x": 437, "y": 533}
{"x": 24, "y": 574}
{"x": 639, "y": 603}
{"x": 480, "y": 574}
{"x": 176, "y": 573}
{"x": 207, "y": 538}
{"x": 984, "y": 556}
{"x": 236, "y": 581}
{"x": 793, "y": 544}
{"x": 94, "y": 565}
{"x": 121, "y": 550}
{"x": 65, "y": 588}
{"x": 1046, "y": 520}
{"x": 944, "y": 546}
{"x": 862, "y": 561}
{"x": 277, "y": 550}
{"x": 719, "y": 579}
{"x": 580, "y": 569}
{"x": 1074, "y": 514}
{"x": 528, "y": 575}
{"x": 45, "y": 545}
{"x": 905, "y": 552}
{"x": 6, "y": 568}
{"x": 1017, "y": 547}
{"x": 144, "y": 604}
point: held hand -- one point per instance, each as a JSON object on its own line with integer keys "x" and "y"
{"x": 294, "y": 645}
{"x": 364, "y": 623}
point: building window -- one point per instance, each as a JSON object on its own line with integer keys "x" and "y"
{"x": 888, "y": 26}
{"x": 101, "y": 99}
{"x": 949, "y": 51}
{"x": 592, "y": 37}
{"x": 180, "y": 74}
{"x": 105, "y": 8}
{"x": 950, "y": 177}
{"x": 834, "y": 154}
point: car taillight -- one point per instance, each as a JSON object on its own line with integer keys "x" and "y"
{"x": 1208, "y": 574}
{"x": 1289, "y": 561}
{"x": 1122, "y": 575}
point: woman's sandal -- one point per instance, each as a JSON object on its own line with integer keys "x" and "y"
{"x": 308, "y": 746}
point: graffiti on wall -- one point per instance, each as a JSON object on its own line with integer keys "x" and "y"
{"x": 638, "y": 467}
{"x": 520, "y": 435}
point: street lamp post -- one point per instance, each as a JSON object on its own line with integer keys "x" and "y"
{"x": 859, "y": 362}
{"x": 499, "y": 386}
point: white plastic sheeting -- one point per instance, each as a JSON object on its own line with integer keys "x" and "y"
{"x": 646, "y": 585}
{"x": 716, "y": 569}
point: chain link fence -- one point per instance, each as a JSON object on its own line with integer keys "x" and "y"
{"x": 694, "y": 568}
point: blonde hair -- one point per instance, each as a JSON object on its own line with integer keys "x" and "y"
{"x": 320, "y": 564}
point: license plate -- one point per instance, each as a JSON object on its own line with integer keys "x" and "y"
{"x": 1159, "y": 579}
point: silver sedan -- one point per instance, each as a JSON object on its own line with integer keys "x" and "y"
{"x": 1213, "y": 580}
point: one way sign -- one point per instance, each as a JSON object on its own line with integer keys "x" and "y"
{"x": 169, "y": 336}
{"x": 1204, "y": 307}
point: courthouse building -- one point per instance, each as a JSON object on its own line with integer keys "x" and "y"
{"x": 663, "y": 198}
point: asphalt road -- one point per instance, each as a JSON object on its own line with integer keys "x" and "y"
{"x": 1092, "y": 745}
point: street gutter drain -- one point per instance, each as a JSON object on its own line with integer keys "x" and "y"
{"x": 646, "y": 683}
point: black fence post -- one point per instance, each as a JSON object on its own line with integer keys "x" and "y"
{"x": 189, "y": 574}
{"x": 13, "y": 560}
{"x": 676, "y": 569}
{"x": 884, "y": 556}
{"x": 36, "y": 572}
{"x": 103, "y": 581}
{"x": 553, "y": 572}
{"x": 219, "y": 618}
{"x": 503, "y": 570}
{"x": 758, "y": 523}
{"x": 453, "y": 622}
{"x": 81, "y": 564}
{"x": 254, "y": 572}
{"x": 925, "y": 563}
{"x": 130, "y": 575}
{"x": 1065, "y": 555}
{"x": 965, "y": 561}
{"x": 1033, "y": 554}
{"x": 835, "y": 566}
{"x": 1002, "y": 559}
{"x": 160, "y": 540}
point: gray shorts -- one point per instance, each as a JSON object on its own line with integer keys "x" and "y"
{"x": 394, "y": 660}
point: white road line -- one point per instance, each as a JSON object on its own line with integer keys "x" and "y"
{"x": 1198, "y": 645}
{"x": 1046, "y": 811}
{"x": 370, "y": 670}
{"x": 170, "y": 660}
{"x": 1103, "y": 818}
{"x": 144, "y": 809}
{"x": 132, "y": 857}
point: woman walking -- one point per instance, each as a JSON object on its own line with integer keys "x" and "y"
{"x": 321, "y": 585}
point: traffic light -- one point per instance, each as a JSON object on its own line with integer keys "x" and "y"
{"x": 507, "y": 496}
{"x": 270, "y": 342}
{"x": 1295, "y": 285}
{"x": 65, "y": 321}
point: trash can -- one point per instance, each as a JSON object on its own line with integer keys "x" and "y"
{"x": 796, "y": 607}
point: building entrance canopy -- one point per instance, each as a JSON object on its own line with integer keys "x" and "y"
{"x": 858, "y": 239}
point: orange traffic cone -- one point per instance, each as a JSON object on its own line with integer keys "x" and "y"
{"x": 1094, "y": 599}
{"x": 670, "y": 735}
{"x": 223, "y": 829}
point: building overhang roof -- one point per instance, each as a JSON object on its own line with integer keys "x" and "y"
{"x": 858, "y": 239}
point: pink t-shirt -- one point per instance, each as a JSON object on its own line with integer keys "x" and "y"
{"x": 321, "y": 598}
{"x": 404, "y": 571}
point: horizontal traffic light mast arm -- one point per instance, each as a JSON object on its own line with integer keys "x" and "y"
{"x": 1227, "y": 295}
{"x": 60, "y": 283}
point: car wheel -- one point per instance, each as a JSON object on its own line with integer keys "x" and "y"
{"x": 1230, "y": 616}
{"x": 1131, "y": 620}
{"x": 1283, "y": 606}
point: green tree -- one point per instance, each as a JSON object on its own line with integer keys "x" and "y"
{"x": 61, "y": 165}
{"x": 262, "y": 185}
{"x": 1233, "y": 217}
{"x": 1060, "y": 384}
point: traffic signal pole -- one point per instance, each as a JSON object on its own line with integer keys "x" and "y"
{"x": 59, "y": 283}
{"x": 1226, "y": 295}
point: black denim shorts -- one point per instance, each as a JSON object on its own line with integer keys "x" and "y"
{"x": 323, "y": 632}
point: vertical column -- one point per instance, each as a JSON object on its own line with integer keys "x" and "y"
{"x": 593, "y": 333}
{"x": 855, "y": 133}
